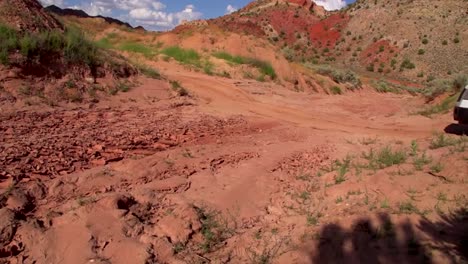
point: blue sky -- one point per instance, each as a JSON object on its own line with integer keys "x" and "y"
{"x": 165, "y": 14}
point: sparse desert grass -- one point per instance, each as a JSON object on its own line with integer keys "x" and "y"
{"x": 181, "y": 91}
{"x": 342, "y": 168}
{"x": 184, "y": 56}
{"x": 148, "y": 71}
{"x": 384, "y": 158}
{"x": 368, "y": 141}
{"x": 264, "y": 67}
{"x": 420, "y": 161}
{"x": 441, "y": 140}
{"x": 215, "y": 229}
{"x": 269, "y": 252}
{"x": 437, "y": 168}
{"x": 407, "y": 207}
{"x": 136, "y": 47}
{"x": 443, "y": 107}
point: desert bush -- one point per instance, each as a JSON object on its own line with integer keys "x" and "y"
{"x": 438, "y": 87}
{"x": 338, "y": 76}
{"x": 72, "y": 44}
{"x": 407, "y": 64}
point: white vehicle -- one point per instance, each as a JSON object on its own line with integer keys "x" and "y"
{"x": 460, "y": 113}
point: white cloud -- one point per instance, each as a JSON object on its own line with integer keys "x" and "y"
{"x": 161, "y": 19}
{"x": 147, "y": 13}
{"x": 51, "y": 2}
{"x": 331, "y": 4}
{"x": 230, "y": 9}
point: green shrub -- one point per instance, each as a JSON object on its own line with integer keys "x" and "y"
{"x": 338, "y": 76}
{"x": 444, "y": 42}
{"x": 407, "y": 64}
{"x": 425, "y": 41}
{"x": 456, "y": 40}
{"x": 28, "y": 45}
{"x": 79, "y": 50}
{"x": 421, "y": 52}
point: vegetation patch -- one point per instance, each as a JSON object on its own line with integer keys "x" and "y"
{"x": 184, "y": 56}
{"x": 40, "y": 47}
{"x": 385, "y": 157}
{"x": 338, "y": 76}
{"x": 215, "y": 229}
{"x": 264, "y": 67}
{"x": 136, "y": 47}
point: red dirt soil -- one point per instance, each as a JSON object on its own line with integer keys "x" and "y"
{"x": 328, "y": 31}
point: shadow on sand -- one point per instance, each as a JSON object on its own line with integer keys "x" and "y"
{"x": 382, "y": 241}
{"x": 457, "y": 129}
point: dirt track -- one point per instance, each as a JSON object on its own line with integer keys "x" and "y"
{"x": 242, "y": 172}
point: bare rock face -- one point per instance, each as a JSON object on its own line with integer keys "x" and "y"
{"x": 27, "y": 15}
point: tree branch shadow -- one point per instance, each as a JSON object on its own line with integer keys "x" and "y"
{"x": 383, "y": 241}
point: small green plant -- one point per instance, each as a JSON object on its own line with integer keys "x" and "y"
{"x": 414, "y": 148}
{"x": 312, "y": 220}
{"x": 336, "y": 90}
{"x": 339, "y": 200}
{"x": 181, "y": 91}
{"x": 123, "y": 87}
{"x": 421, "y": 52}
{"x": 421, "y": 161}
{"x": 384, "y": 158}
{"x": 179, "y": 247}
{"x": 437, "y": 168}
{"x": 407, "y": 64}
{"x": 384, "y": 204}
{"x": 215, "y": 229}
{"x": 425, "y": 41}
{"x": 441, "y": 140}
{"x": 444, "y": 42}
{"x": 407, "y": 208}
{"x": 148, "y": 71}
{"x": 342, "y": 167}
{"x": 442, "y": 197}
